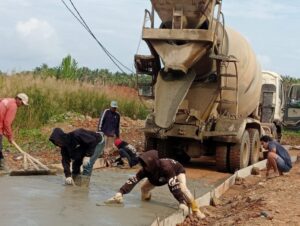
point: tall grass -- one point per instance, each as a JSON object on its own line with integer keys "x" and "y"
{"x": 49, "y": 97}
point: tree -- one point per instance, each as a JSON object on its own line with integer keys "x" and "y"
{"x": 67, "y": 68}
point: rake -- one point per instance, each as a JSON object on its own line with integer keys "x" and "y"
{"x": 38, "y": 167}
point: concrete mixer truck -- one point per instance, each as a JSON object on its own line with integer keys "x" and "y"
{"x": 205, "y": 84}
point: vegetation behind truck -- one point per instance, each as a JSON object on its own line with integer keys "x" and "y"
{"x": 206, "y": 84}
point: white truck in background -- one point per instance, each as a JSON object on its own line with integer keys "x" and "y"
{"x": 272, "y": 103}
{"x": 292, "y": 108}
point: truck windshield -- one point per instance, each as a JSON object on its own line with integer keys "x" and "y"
{"x": 295, "y": 96}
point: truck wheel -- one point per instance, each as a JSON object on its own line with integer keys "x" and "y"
{"x": 221, "y": 158}
{"x": 254, "y": 145}
{"x": 150, "y": 143}
{"x": 240, "y": 153}
{"x": 179, "y": 154}
{"x": 162, "y": 148}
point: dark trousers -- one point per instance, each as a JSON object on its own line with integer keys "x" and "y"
{"x": 1, "y": 146}
{"x": 132, "y": 160}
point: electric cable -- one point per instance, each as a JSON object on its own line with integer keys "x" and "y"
{"x": 81, "y": 20}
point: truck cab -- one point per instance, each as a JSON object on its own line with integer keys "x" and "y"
{"x": 272, "y": 103}
{"x": 292, "y": 109}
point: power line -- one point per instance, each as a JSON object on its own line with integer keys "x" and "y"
{"x": 80, "y": 19}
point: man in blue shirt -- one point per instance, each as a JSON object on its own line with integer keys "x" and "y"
{"x": 109, "y": 124}
{"x": 278, "y": 157}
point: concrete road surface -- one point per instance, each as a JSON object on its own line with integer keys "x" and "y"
{"x": 45, "y": 200}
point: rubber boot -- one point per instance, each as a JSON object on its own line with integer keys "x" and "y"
{"x": 146, "y": 196}
{"x": 125, "y": 164}
{"x": 85, "y": 181}
{"x": 77, "y": 179}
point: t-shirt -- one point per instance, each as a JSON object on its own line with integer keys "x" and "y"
{"x": 281, "y": 151}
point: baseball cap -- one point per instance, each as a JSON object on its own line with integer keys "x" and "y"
{"x": 114, "y": 104}
{"x": 118, "y": 141}
{"x": 23, "y": 97}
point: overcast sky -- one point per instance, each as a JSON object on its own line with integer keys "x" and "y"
{"x": 43, "y": 31}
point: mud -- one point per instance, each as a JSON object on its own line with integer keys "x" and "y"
{"x": 45, "y": 200}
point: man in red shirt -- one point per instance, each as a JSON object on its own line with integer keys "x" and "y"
{"x": 8, "y": 110}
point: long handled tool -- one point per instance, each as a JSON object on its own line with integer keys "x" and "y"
{"x": 39, "y": 168}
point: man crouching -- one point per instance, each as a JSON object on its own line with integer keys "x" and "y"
{"x": 278, "y": 157}
{"x": 81, "y": 146}
{"x": 160, "y": 172}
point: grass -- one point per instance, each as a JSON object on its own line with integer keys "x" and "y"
{"x": 49, "y": 97}
{"x": 52, "y": 101}
{"x": 291, "y": 137}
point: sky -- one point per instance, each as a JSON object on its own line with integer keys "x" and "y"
{"x": 34, "y": 32}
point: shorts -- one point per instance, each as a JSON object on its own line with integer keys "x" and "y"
{"x": 282, "y": 166}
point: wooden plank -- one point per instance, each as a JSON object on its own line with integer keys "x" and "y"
{"x": 31, "y": 172}
{"x": 178, "y": 34}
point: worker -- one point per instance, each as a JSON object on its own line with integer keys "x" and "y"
{"x": 127, "y": 152}
{"x": 83, "y": 147}
{"x": 8, "y": 110}
{"x": 109, "y": 124}
{"x": 160, "y": 172}
{"x": 278, "y": 157}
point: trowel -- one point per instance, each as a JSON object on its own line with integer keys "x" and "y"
{"x": 111, "y": 202}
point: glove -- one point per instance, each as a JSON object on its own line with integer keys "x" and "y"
{"x": 199, "y": 214}
{"x": 69, "y": 181}
{"x": 184, "y": 208}
{"x": 86, "y": 161}
{"x": 118, "y": 198}
{"x": 146, "y": 196}
{"x": 196, "y": 210}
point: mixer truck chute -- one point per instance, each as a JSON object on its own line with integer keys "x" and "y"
{"x": 206, "y": 85}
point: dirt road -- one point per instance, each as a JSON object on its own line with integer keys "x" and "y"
{"x": 257, "y": 201}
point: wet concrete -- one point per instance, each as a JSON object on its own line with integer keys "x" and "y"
{"x": 45, "y": 200}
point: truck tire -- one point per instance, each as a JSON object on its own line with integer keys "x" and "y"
{"x": 222, "y": 158}
{"x": 239, "y": 154}
{"x": 254, "y": 145}
{"x": 162, "y": 148}
{"x": 150, "y": 143}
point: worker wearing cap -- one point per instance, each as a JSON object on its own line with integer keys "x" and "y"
{"x": 127, "y": 152}
{"x": 8, "y": 110}
{"x": 109, "y": 124}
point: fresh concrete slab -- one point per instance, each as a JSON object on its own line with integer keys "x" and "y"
{"x": 45, "y": 201}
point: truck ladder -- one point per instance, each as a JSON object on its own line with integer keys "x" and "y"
{"x": 222, "y": 62}
{"x": 177, "y": 19}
